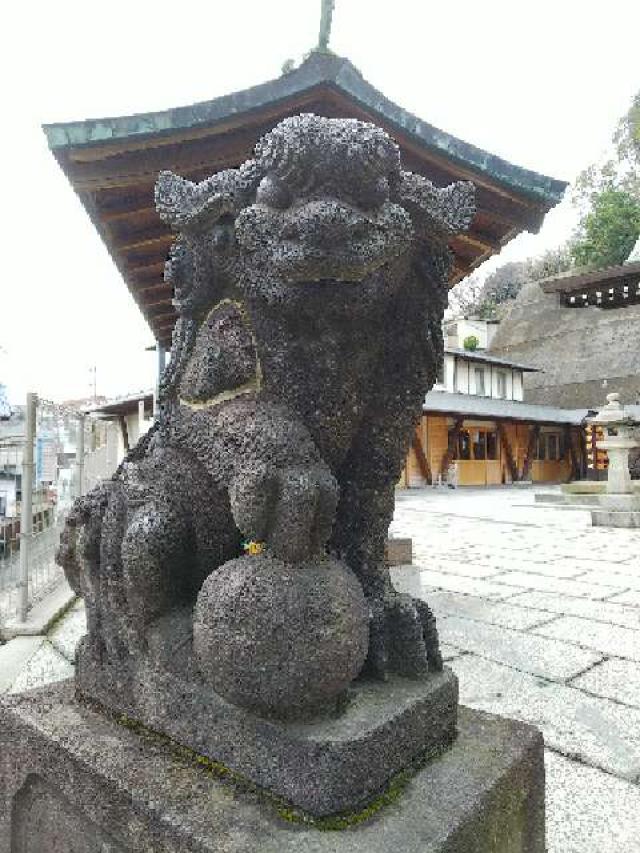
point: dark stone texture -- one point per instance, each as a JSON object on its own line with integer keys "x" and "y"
{"x": 338, "y": 759}
{"x": 275, "y": 638}
{"x": 83, "y": 784}
{"x": 310, "y": 285}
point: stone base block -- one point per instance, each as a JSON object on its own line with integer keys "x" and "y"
{"x": 337, "y": 761}
{"x": 398, "y": 552}
{"x": 619, "y": 502}
{"x": 74, "y": 781}
{"x": 613, "y": 518}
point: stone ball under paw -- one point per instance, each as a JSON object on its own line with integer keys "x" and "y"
{"x": 281, "y": 639}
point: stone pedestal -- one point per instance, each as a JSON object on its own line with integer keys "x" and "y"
{"x": 619, "y": 505}
{"x": 398, "y": 552}
{"x": 74, "y": 781}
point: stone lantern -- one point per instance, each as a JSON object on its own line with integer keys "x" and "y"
{"x": 620, "y": 505}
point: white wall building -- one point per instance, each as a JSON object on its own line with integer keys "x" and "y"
{"x": 482, "y": 375}
{"x": 458, "y": 330}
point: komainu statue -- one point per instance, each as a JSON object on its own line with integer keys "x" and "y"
{"x": 310, "y": 285}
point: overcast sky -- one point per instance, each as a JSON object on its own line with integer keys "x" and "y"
{"x": 541, "y": 84}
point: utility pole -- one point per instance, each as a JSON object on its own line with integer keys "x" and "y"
{"x": 94, "y": 382}
{"x": 161, "y": 355}
{"x": 26, "y": 509}
{"x": 79, "y": 458}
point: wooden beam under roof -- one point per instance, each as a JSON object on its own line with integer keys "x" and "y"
{"x": 588, "y": 279}
{"x": 154, "y": 241}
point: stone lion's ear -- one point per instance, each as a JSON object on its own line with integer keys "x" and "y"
{"x": 450, "y": 209}
{"x": 184, "y": 205}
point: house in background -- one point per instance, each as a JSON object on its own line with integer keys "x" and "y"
{"x": 476, "y": 417}
{"x": 458, "y": 330}
{"x": 131, "y": 416}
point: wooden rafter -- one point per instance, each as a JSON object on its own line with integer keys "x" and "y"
{"x": 423, "y": 462}
{"x": 449, "y": 454}
{"x": 534, "y": 432}
{"x": 508, "y": 452}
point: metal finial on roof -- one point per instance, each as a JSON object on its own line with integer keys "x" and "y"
{"x": 326, "y": 16}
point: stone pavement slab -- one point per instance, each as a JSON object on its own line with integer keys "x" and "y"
{"x": 457, "y": 567}
{"x": 615, "y": 679}
{"x": 14, "y": 656}
{"x": 608, "y": 578}
{"x": 597, "y": 731}
{"x": 522, "y": 651}
{"x": 500, "y": 613}
{"x": 44, "y": 667}
{"x": 68, "y": 632}
{"x": 568, "y": 586}
{"x": 458, "y": 583}
{"x": 608, "y": 639}
{"x": 589, "y": 811}
{"x": 631, "y": 598}
{"x": 599, "y": 611}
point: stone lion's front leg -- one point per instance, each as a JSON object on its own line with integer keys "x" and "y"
{"x": 281, "y": 492}
{"x": 291, "y": 508}
{"x": 403, "y": 636}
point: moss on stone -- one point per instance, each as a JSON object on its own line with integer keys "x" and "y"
{"x": 283, "y": 809}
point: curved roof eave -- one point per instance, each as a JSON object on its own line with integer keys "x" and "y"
{"x": 317, "y": 70}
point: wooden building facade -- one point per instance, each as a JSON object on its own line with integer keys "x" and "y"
{"x": 493, "y": 442}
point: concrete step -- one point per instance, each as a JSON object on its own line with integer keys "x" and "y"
{"x": 549, "y": 498}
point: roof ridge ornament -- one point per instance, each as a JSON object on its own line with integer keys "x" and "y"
{"x": 326, "y": 17}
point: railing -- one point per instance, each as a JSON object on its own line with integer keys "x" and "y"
{"x": 48, "y": 456}
{"x": 43, "y": 572}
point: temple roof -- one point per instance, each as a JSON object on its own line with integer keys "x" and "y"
{"x": 112, "y": 164}
{"x": 471, "y": 406}
{"x": 486, "y": 358}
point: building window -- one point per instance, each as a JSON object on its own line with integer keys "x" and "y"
{"x": 480, "y": 389}
{"x": 479, "y": 444}
{"x": 464, "y": 445}
{"x": 549, "y": 447}
{"x": 440, "y": 374}
{"x": 476, "y": 445}
{"x": 492, "y": 445}
{"x": 502, "y": 385}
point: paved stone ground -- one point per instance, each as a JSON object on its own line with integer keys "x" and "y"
{"x": 539, "y": 614}
{"x": 540, "y": 618}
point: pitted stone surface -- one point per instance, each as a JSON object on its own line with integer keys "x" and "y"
{"x": 485, "y": 793}
{"x": 280, "y": 638}
{"x": 297, "y": 277}
{"x": 324, "y": 763}
{"x": 310, "y": 285}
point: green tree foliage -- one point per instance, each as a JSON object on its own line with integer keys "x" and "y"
{"x": 620, "y": 170}
{"x": 608, "y": 193}
{"x": 486, "y": 299}
{"x": 471, "y": 343}
{"x": 609, "y": 231}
